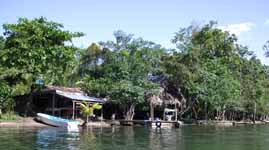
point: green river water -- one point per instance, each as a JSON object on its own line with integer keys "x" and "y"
{"x": 138, "y": 138}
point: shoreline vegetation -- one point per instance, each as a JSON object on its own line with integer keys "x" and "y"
{"x": 208, "y": 76}
{"x": 10, "y": 116}
{"x": 31, "y": 122}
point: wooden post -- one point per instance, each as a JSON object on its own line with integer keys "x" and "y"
{"x": 73, "y": 115}
{"x": 176, "y": 112}
{"x": 53, "y": 104}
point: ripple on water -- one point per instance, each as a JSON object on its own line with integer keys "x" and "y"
{"x": 133, "y": 138}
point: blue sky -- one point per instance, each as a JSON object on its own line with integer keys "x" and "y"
{"x": 155, "y": 20}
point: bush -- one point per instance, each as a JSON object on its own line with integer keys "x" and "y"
{"x": 11, "y": 116}
{"x": 6, "y": 101}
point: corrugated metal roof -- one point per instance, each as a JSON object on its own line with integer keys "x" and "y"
{"x": 74, "y": 93}
{"x": 79, "y": 96}
{"x": 65, "y": 89}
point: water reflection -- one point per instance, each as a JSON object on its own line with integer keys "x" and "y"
{"x": 56, "y": 138}
{"x": 133, "y": 138}
{"x": 122, "y": 138}
{"x": 165, "y": 139}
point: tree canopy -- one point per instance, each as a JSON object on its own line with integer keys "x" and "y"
{"x": 120, "y": 70}
{"x": 35, "y": 49}
{"x": 217, "y": 76}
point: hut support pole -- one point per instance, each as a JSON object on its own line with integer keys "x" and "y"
{"x": 102, "y": 115}
{"x": 73, "y": 115}
{"x": 53, "y": 104}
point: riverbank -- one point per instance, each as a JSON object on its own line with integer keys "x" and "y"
{"x": 228, "y": 122}
{"x": 23, "y": 122}
{"x": 30, "y": 122}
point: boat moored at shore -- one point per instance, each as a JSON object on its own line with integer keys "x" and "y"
{"x": 70, "y": 125}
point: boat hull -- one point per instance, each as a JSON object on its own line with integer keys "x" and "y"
{"x": 70, "y": 125}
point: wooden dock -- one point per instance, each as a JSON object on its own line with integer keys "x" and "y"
{"x": 155, "y": 124}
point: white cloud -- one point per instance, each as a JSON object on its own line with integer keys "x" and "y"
{"x": 168, "y": 44}
{"x": 266, "y": 22}
{"x": 82, "y": 42}
{"x": 237, "y": 29}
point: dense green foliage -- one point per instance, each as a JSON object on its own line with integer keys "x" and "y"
{"x": 31, "y": 50}
{"x": 10, "y": 116}
{"x": 119, "y": 70}
{"x": 217, "y": 73}
{"x": 219, "y": 78}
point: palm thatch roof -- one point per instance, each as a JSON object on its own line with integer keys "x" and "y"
{"x": 162, "y": 98}
{"x": 167, "y": 95}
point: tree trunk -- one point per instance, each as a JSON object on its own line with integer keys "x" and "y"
{"x": 254, "y": 113}
{"x": 151, "y": 112}
{"x": 195, "y": 114}
{"x": 28, "y": 109}
{"x": 206, "y": 113}
{"x": 217, "y": 114}
{"x": 223, "y": 113}
{"x": 130, "y": 113}
{"x": 232, "y": 115}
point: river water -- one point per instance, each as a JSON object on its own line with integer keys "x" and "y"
{"x": 138, "y": 138}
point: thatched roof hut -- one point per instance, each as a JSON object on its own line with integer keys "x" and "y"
{"x": 167, "y": 95}
{"x": 162, "y": 98}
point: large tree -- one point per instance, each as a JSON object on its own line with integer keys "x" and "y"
{"x": 120, "y": 70}
{"x": 36, "y": 49}
{"x": 210, "y": 65}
